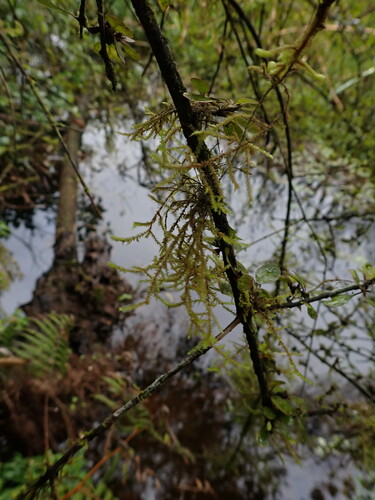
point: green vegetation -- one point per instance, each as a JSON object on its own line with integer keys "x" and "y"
{"x": 255, "y": 125}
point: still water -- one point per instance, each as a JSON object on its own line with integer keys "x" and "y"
{"x": 125, "y": 201}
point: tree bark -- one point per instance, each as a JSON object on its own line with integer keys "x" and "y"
{"x": 66, "y": 225}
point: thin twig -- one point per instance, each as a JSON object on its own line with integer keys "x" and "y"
{"x": 333, "y": 366}
{"x": 326, "y": 295}
{"x": 50, "y": 118}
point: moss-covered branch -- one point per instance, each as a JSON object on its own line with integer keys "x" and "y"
{"x": 189, "y": 123}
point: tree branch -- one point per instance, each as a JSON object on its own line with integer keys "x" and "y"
{"x": 189, "y": 124}
{"x": 53, "y": 471}
{"x": 326, "y": 295}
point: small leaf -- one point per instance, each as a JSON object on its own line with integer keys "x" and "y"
{"x": 239, "y": 132}
{"x": 269, "y": 413}
{"x": 18, "y": 30}
{"x": 368, "y": 271}
{"x": 130, "y": 52}
{"x": 245, "y": 282}
{"x": 51, "y": 5}
{"x": 225, "y": 288}
{"x": 354, "y": 276}
{"x": 200, "y": 85}
{"x": 163, "y": 4}
{"x": 125, "y": 296}
{"x": 296, "y": 277}
{"x": 119, "y": 53}
{"x": 245, "y": 100}
{"x": 311, "y": 311}
{"x": 263, "y": 435}
{"x": 283, "y": 405}
{"x": 268, "y": 273}
{"x": 4, "y": 230}
{"x": 264, "y": 53}
{"x": 337, "y": 301}
{"x": 96, "y": 48}
{"x": 198, "y": 97}
{"x": 112, "y": 53}
{"x": 130, "y": 307}
{"x": 118, "y": 25}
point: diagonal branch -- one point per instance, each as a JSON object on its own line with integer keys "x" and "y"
{"x": 52, "y": 472}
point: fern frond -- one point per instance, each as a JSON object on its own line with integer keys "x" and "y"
{"x": 46, "y": 346}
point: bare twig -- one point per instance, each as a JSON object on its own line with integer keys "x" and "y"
{"x": 333, "y": 366}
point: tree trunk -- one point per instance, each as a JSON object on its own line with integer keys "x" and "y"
{"x": 66, "y": 226}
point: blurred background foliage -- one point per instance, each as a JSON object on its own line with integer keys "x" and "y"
{"x": 330, "y": 137}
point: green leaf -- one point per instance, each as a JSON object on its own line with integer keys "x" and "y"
{"x": 368, "y": 271}
{"x": 237, "y": 129}
{"x": 198, "y": 97}
{"x": 113, "y": 53}
{"x": 96, "y": 48}
{"x": 119, "y": 52}
{"x": 311, "y": 311}
{"x": 51, "y": 5}
{"x": 283, "y": 405}
{"x": 264, "y": 53}
{"x": 263, "y": 435}
{"x": 200, "y": 85}
{"x": 125, "y": 296}
{"x": 296, "y": 277}
{"x": 245, "y": 100}
{"x": 268, "y": 273}
{"x": 131, "y": 307}
{"x": 354, "y": 276}
{"x": 118, "y": 25}
{"x": 269, "y": 413}
{"x": 225, "y": 288}
{"x": 18, "y": 30}
{"x": 130, "y": 52}
{"x": 245, "y": 282}
{"x": 337, "y": 301}
{"x": 4, "y": 229}
{"x": 163, "y": 4}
